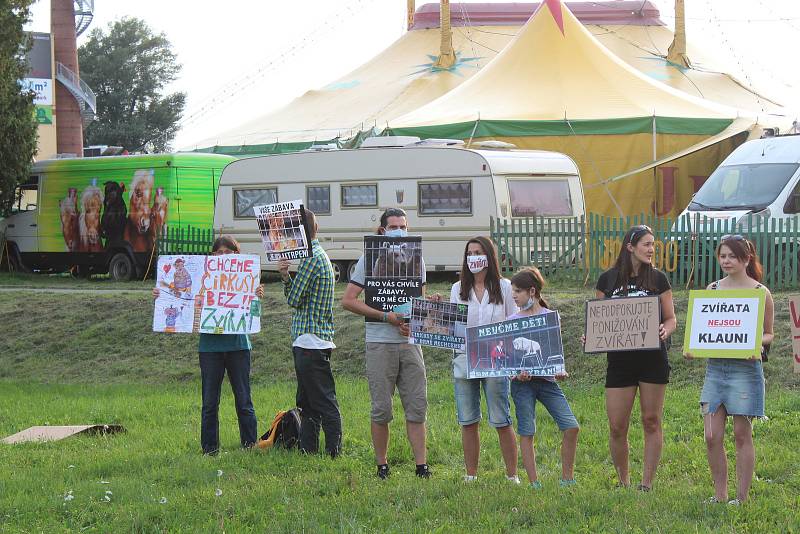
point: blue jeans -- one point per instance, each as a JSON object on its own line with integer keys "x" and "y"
{"x": 212, "y": 370}
{"x": 468, "y": 400}
{"x": 316, "y": 398}
{"x": 525, "y": 395}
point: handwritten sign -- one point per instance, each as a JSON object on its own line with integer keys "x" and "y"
{"x": 507, "y": 348}
{"x": 283, "y": 230}
{"x": 622, "y": 324}
{"x": 794, "y": 319}
{"x": 208, "y": 294}
{"x": 725, "y": 323}
{"x": 438, "y": 324}
{"x": 393, "y": 271}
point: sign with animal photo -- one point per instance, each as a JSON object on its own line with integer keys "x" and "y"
{"x": 438, "y": 324}
{"x": 393, "y": 271}
{"x": 622, "y": 324}
{"x": 283, "y": 230}
{"x": 208, "y": 294}
{"x": 725, "y": 323}
{"x": 794, "y": 323}
{"x": 531, "y": 344}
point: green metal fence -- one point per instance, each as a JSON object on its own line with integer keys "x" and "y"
{"x": 583, "y": 247}
{"x": 185, "y": 240}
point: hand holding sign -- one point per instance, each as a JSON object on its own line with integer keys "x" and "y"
{"x": 725, "y": 323}
{"x": 623, "y": 324}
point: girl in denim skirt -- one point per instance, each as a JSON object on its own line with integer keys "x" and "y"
{"x": 526, "y": 287}
{"x": 732, "y": 386}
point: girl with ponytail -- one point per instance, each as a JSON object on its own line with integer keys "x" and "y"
{"x": 526, "y": 288}
{"x": 731, "y": 386}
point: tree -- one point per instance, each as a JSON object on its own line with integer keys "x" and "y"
{"x": 128, "y": 68}
{"x": 18, "y": 127}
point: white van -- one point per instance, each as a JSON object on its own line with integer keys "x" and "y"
{"x": 448, "y": 193}
{"x": 760, "y": 178}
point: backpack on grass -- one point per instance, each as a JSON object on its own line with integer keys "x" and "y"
{"x": 283, "y": 432}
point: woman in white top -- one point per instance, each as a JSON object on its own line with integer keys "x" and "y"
{"x": 490, "y": 301}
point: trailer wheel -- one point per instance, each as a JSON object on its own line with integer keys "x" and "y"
{"x": 339, "y": 271}
{"x": 121, "y": 267}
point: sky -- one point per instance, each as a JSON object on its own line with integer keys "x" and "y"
{"x": 243, "y": 58}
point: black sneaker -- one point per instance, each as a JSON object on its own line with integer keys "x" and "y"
{"x": 383, "y": 471}
{"x": 423, "y": 471}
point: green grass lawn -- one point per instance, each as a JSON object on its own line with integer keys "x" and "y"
{"x": 84, "y": 357}
{"x": 157, "y": 458}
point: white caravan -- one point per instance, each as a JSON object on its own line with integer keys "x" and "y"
{"x": 760, "y": 178}
{"x": 448, "y": 193}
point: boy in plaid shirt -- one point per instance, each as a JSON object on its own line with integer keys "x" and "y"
{"x": 310, "y": 293}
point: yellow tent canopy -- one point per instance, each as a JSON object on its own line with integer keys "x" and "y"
{"x": 402, "y": 78}
{"x": 556, "y": 87}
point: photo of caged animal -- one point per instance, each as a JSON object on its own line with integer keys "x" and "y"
{"x": 400, "y": 259}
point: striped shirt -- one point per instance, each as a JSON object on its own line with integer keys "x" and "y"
{"x": 310, "y": 293}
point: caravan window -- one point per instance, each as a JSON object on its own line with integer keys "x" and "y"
{"x": 445, "y": 198}
{"x": 539, "y": 197}
{"x": 318, "y": 198}
{"x": 245, "y": 199}
{"x": 359, "y": 195}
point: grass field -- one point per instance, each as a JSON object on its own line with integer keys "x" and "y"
{"x": 82, "y": 357}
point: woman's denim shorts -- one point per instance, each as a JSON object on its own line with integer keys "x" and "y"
{"x": 468, "y": 400}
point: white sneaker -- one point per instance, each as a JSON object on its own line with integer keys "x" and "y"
{"x": 734, "y": 502}
{"x": 514, "y": 479}
{"x": 470, "y": 478}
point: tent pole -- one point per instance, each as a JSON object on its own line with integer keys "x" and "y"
{"x": 447, "y": 57}
{"x": 410, "y": 14}
{"x": 677, "y": 50}
{"x": 655, "y": 169}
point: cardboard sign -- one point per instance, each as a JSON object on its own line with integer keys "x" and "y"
{"x": 208, "y": 294}
{"x": 726, "y": 323}
{"x": 622, "y": 324}
{"x": 283, "y": 230}
{"x": 438, "y": 324}
{"x": 507, "y": 348}
{"x": 794, "y": 323}
{"x": 392, "y": 271}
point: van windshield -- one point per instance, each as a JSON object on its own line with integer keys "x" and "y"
{"x": 752, "y": 187}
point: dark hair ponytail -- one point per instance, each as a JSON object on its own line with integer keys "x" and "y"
{"x": 531, "y": 277}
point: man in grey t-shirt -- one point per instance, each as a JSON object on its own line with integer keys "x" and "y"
{"x": 391, "y": 362}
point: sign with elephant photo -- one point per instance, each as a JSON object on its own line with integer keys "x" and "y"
{"x": 531, "y": 344}
{"x": 393, "y": 271}
{"x": 622, "y": 324}
{"x": 208, "y": 294}
{"x": 725, "y": 323}
{"x": 283, "y": 230}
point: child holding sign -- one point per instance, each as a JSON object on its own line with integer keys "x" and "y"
{"x": 526, "y": 287}
{"x": 219, "y": 353}
{"x": 734, "y": 386}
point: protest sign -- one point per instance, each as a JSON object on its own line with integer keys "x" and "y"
{"x": 531, "y": 344}
{"x": 438, "y": 324}
{"x": 622, "y": 324}
{"x": 208, "y": 294}
{"x": 283, "y": 230}
{"x": 794, "y": 320}
{"x": 725, "y": 323}
{"x": 393, "y": 271}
